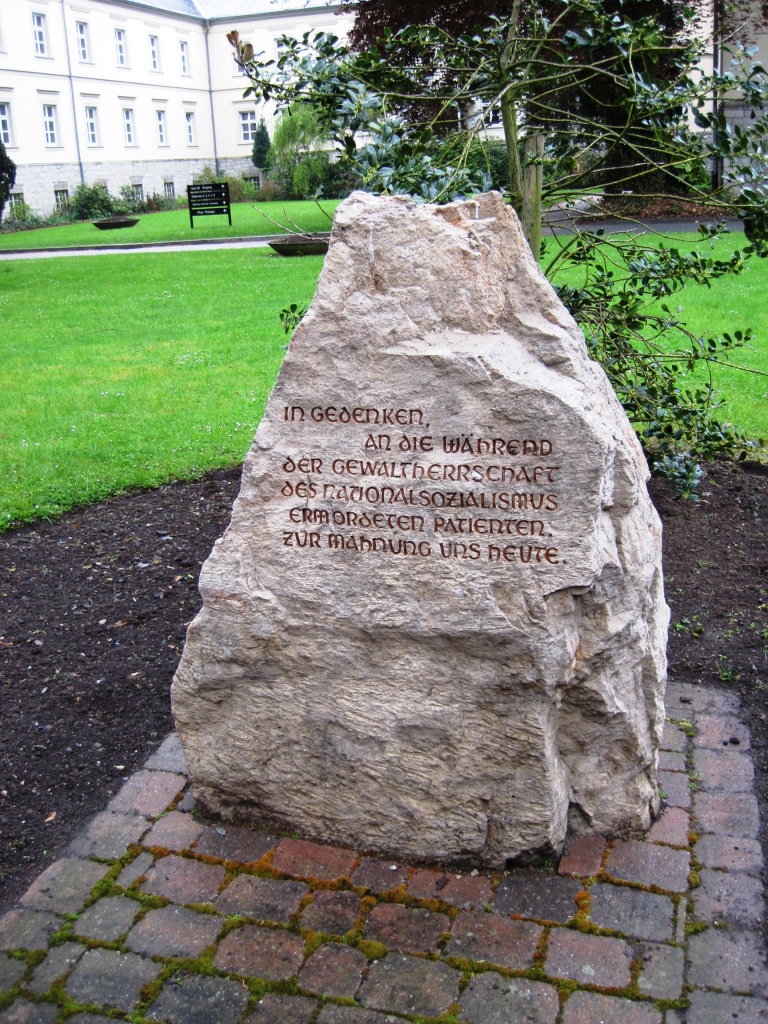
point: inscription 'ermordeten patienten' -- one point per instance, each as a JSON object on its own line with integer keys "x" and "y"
{"x": 435, "y": 627}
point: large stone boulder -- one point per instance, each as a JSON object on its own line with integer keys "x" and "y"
{"x": 436, "y": 626}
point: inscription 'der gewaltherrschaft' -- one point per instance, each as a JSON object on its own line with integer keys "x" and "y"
{"x": 468, "y": 501}
{"x": 435, "y": 628}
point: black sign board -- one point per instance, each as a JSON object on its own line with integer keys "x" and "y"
{"x": 206, "y": 200}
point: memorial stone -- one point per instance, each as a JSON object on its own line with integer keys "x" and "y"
{"x": 435, "y": 627}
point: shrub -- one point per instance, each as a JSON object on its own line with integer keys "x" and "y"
{"x": 250, "y": 189}
{"x": 131, "y": 200}
{"x": 206, "y": 177}
{"x": 7, "y": 177}
{"x": 90, "y": 202}
{"x": 21, "y": 217}
{"x": 268, "y": 192}
{"x": 157, "y": 202}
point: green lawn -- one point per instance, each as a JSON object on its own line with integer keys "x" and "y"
{"x": 124, "y": 371}
{"x": 247, "y": 219}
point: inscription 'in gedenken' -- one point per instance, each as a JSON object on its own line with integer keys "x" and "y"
{"x": 386, "y": 506}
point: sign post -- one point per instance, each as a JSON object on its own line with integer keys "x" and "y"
{"x": 207, "y": 200}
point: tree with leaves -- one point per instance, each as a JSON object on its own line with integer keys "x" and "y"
{"x": 7, "y": 177}
{"x": 261, "y": 145}
{"x": 298, "y": 157}
{"x": 551, "y": 71}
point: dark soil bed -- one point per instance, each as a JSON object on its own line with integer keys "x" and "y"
{"x": 94, "y": 608}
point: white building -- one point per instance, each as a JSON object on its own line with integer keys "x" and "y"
{"x": 135, "y": 92}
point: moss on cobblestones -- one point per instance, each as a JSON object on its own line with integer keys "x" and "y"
{"x": 371, "y": 949}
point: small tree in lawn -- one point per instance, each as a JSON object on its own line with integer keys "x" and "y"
{"x": 7, "y": 177}
{"x": 551, "y": 71}
{"x": 297, "y": 158}
{"x": 261, "y": 145}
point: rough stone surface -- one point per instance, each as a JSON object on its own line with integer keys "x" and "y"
{"x": 264, "y": 952}
{"x": 642, "y": 915}
{"x": 27, "y": 929}
{"x": 661, "y": 974}
{"x": 191, "y": 999}
{"x": 184, "y": 881}
{"x": 408, "y": 984}
{"x": 108, "y": 978}
{"x": 589, "y": 959}
{"x": 647, "y": 864}
{"x": 380, "y": 875}
{"x": 275, "y": 1009}
{"x": 436, "y": 622}
{"x": 715, "y": 1008}
{"x": 332, "y": 912}
{"x": 232, "y": 843}
{"x": 591, "y": 1008}
{"x": 533, "y": 894}
{"x": 23, "y": 1012}
{"x": 354, "y": 1015}
{"x": 59, "y": 962}
{"x": 174, "y": 931}
{"x": 107, "y": 835}
{"x": 107, "y": 919}
{"x": 470, "y": 892}
{"x": 728, "y": 960}
{"x": 334, "y": 970}
{"x": 265, "y": 899}
{"x": 137, "y": 869}
{"x": 416, "y": 929}
{"x": 11, "y": 971}
{"x": 728, "y": 853}
{"x": 175, "y": 831}
{"x": 583, "y": 857}
{"x": 496, "y": 940}
{"x": 733, "y": 898}
{"x": 491, "y": 999}
{"x": 672, "y": 828}
{"x": 63, "y": 887}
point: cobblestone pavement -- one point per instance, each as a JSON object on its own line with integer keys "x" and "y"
{"x": 156, "y": 914}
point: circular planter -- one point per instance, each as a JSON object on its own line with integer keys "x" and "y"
{"x": 115, "y": 222}
{"x": 298, "y": 245}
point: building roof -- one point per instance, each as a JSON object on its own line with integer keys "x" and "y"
{"x": 215, "y": 9}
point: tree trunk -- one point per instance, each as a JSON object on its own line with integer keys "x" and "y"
{"x": 509, "y": 112}
{"x": 533, "y": 176}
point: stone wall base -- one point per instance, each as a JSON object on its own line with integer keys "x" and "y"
{"x": 39, "y": 183}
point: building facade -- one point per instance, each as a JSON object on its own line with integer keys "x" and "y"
{"x": 145, "y": 94}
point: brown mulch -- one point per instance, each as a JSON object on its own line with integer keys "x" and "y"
{"x": 94, "y": 608}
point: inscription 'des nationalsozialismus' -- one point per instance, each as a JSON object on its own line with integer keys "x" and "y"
{"x": 382, "y": 502}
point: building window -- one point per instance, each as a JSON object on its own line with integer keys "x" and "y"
{"x": 168, "y": 190}
{"x": 83, "y": 47}
{"x": 92, "y": 126}
{"x": 120, "y": 48}
{"x": 154, "y": 53}
{"x": 184, "y": 58}
{"x": 61, "y": 199}
{"x": 15, "y": 200}
{"x": 6, "y": 126}
{"x": 248, "y": 125}
{"x": 189, "y": 117}
{"x": 38, "y": 29}
{"x": 50, "y": 123}
{"x": 162, "y": 137}
{"x": 128, "y": 129}
{"x": 137, "y": 191}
